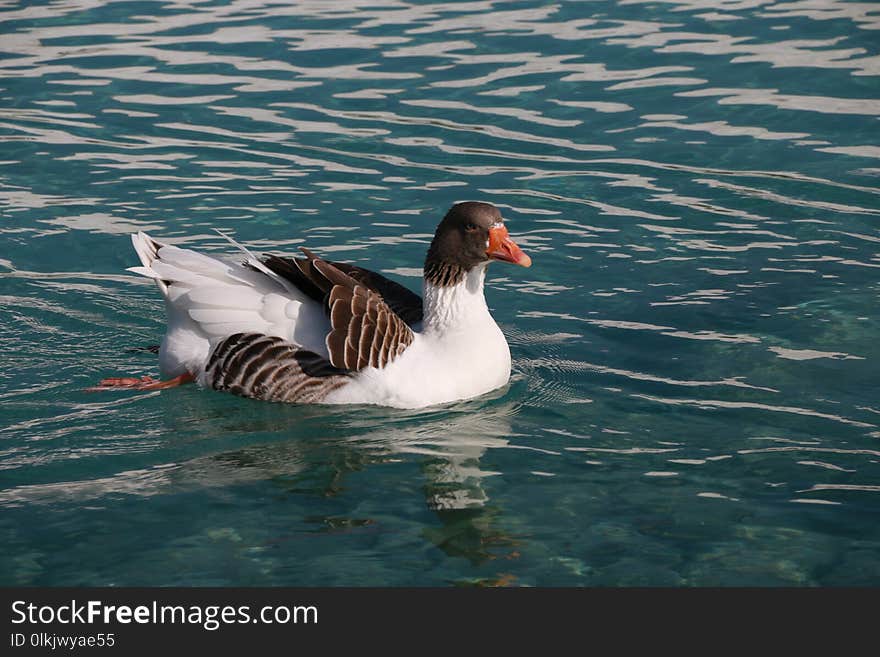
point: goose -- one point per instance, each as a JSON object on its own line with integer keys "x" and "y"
{"x": 308, "y": 330}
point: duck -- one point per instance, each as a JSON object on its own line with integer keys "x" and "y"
{"x": 308, "y": 330}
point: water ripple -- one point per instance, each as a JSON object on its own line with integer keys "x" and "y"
{"x": 694, "y": 348}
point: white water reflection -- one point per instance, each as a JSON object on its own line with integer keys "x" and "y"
{"x": 822, "y": 104}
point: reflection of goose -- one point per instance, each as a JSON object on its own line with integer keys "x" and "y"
{"x": 297, "y": 459}
{"x": 308, "y": 330}
{"x": 314, "y": 447}
{"x": 452, "y": 445}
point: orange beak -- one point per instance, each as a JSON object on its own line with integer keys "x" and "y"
{"x": 501, "y": 247}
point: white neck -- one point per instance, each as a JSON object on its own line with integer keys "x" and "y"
{"x": 458, "y": 306}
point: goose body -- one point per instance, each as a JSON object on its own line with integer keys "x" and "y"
{"x": 306, "y": 330}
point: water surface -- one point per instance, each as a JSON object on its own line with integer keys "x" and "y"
{"x": 695, "y": 392}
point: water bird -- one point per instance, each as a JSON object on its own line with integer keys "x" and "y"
{"x": 308, "y": 330}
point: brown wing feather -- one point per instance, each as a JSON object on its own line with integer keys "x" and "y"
{"x": 369, "y": 314}
{"x": 378, "y": 339}
{"x": 356, "y": 313}
{"x": 302, "y": 272}
{"x": 404, "y": 303}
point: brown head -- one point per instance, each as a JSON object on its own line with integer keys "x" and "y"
{"x": 471, "y": 234}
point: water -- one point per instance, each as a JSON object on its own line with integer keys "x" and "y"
{"x": 695, "y": 395}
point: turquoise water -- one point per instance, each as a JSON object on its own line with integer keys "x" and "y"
{"x": 695, "y": 390}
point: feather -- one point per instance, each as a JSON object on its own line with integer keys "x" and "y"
{"x": 269, "y": 368}
{"x": 226, "y": 296}
{"x": 252, "y": 261}
{"x": 224, "y": 329}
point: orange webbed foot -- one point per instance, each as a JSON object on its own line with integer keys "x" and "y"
{"x": 142, "y": 383}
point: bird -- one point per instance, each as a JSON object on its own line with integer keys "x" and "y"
{"x": 311, "y": 331}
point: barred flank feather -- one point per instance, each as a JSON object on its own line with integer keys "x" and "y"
{"x": 272, "y": 369}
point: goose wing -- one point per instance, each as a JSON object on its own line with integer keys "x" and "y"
{"x": 369, "y": 314}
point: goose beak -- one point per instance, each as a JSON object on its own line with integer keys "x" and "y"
{"x": 501, "y": 247}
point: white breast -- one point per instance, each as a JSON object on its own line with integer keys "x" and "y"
{"x": 434, "y": 371}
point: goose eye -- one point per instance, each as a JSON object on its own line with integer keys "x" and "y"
{"x": 470, "y": 227}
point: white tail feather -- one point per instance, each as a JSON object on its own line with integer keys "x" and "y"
{"x": 254, "y": 262}
{"x": 208, "y": 299}
{"x": 148, "y": 250}
{"x": 143, "y": 271}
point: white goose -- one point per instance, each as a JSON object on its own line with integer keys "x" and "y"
{"x": 311, "y": 331}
